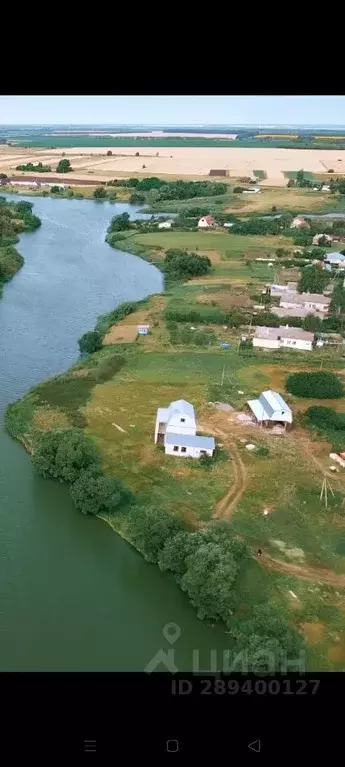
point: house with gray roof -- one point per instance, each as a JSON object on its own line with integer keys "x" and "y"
{"x": 283, "y": 337}
{"x": 270, "y": 409}
{"x": 176, "y": 430}
{"x": 334, "y": 261}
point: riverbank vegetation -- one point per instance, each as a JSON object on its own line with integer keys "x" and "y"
{"x": 15, "y": 218}
{"x": 203, "y": 521}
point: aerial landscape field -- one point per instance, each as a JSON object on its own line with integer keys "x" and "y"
{"x": 240, "y": 507}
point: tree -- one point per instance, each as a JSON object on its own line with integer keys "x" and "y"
{"x": 63, "y": 453}
{"x": 109, "y": 153}
{"x": 312, "y": 323}
{"x": 151, "y": 527}
{"x": 313, "y": 280}
{"x": 265, "y": 639}
{"x": 90, "y": 342}
{"x": 137, "y": 198}
{"x": 95, "y": 493}
{"x": 291, "y": 183}
{"x": 320, "y": 384}
{"x": 209, "y": 580}
{"x": 99, "y": 193}
{"x": 119, "y": 223}
{"x": 64, "y": 166}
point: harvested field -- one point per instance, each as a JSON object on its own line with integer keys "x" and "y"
{"x": 121, "y": 334}
{"x": 183, "y": 161}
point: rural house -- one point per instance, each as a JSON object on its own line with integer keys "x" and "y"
{"x": 165, "y": 225}
{"x": 176, "y": 430}
{"x": 280, "y": 290}
{"x": 270, "y": 409}
{"x": 206, "y": 222}
{"x": 313, "y": 303}
{"x": 317, "y": 237}
{"x": 299, "y": 223}
{"x": 334, "y": 261}
{"x": 283, "y": 337}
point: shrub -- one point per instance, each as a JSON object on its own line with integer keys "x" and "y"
{"x": 63, "y": 453}
{"x": 94, "y": 492}
{"x": 150, "y": 528}
{"x": 321, "y": 385}
{"x": 90, "y": 342}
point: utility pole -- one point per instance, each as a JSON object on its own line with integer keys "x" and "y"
{"x": 324, "y": 488}
{"x": 223, "y": 373}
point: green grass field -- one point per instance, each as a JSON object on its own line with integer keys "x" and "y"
{"x": 231, "y": 244}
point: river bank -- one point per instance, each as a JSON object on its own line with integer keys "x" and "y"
{"x": 14, "y": 219}
{"x": 106, "y": 607}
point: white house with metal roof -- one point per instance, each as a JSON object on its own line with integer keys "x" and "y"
{"x": 283, "y": 337}
{"x": 176, "y": 430}
{"x": 334, "y": 261}
{"x": 270, "y": 409}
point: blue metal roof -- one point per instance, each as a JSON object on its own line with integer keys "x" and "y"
{"x": 188, "y": 440}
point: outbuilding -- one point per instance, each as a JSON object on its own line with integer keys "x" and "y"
{"x": 206, "y": 222}
{"x": 270, "y": 409}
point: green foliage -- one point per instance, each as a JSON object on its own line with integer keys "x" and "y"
{"x": 64, "y": 166}
{"x": 90, "y": 342}
{"x": 312, "y": 323}
{"x": 313, "y": 280}
{"x": 105, "y": 321}
{"x": 338, "y": 298}
{"x": 266, "y": 639}
{"x": 328, "y": 423}
{"x": 56, "y": 189}
{"x": 205, "y": 564}
{"x": 39, "y": 168}
{"x": 119, "y": 223}
{"x": 262, "y": 450}
{"x": 96, "y": 493}
{"x": 320, "y": 385}
{"x": 63, "y": 453}
{"x": 150, "y": 528}
{"x": 187, "y": 337}
{"x": 14, "y": 218}
{"x": 100, "y": 193}
{"x": 181, "y": 265}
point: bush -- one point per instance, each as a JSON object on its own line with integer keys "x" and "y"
{"x": 150, "y": 528}
{"x": 96, "y": 493}
{"x": 90, "y": 342}
{"x": 321, "y": 385}
{"x": 100, "y": 193}
{"x": 262, "y": 450}
{"x": 64, "y": 166}
{"x": 62, "y": 454}
{"x": 179, "y": 264}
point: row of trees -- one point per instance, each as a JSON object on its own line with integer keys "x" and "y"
{"x": 313, "y": 280}
{"x": 39, "y": 168}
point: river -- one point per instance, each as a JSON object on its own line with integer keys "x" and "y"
{"x": 74, "y": 595}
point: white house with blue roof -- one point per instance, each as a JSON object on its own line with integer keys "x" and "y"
{"x": 270, "y": 409}
{"x": 176, "y": 430}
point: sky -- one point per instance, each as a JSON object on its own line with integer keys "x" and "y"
{"x": 172, "y": 110}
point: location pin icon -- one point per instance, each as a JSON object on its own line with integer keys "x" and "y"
{"x": 171, "y": 632}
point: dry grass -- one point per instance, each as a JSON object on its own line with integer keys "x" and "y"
{"x": 121, "y": 334}
{"x": 180, "y": 161}
{"x": 314, "y": 632}
{"x": 225, "y": 299}
{"x": 46, "y": 418}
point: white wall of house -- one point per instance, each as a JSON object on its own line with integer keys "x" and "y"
{"x": 186, "y": 452}
{"x": 308, "y": 305}
{"x": 203, "y": 224}
{"x": 164, "y": 225}
{"x": 266, "y": 343}
{"x": 159, "y": 429}
{"x": 182, "y": 424}
{"x": 296, "y": 343}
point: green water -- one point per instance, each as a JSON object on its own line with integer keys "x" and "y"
{"x": 73, "y": 595}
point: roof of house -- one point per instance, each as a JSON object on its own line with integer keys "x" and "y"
{"x": 283, "y": 332}
{"x": 183, "y": 407}
{"x": 335, "y": 257}
{"x": 302, "y": 298}
{"x": 269, "y": 403}
{"x": 188, "y": 440}
{"x": 279, "y": 311}
{"x": 163, "y": 414}
{"x": 208, "y": 219}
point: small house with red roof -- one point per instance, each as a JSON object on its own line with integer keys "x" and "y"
{"x": 206, "y": 222}
{"x": 299, "y": 223}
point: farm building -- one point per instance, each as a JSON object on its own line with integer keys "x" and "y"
{"x": 219, "y": 172}
{"x": 165, "y": 225}
{"x": 325, "y": 237}
{"x": 334, "y": 261}
{"x": 252, "y": 190}
{"x": 313, "y": 303}
{"x": 283, "y": 337}
{"x": 270, "y": 409}
{"x": 176, "y": 430}
{"x": 299, "y": 223}
{"x": 206, "y": 222}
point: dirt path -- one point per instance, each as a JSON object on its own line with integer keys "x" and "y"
{"x": 315, "y": 574}
{"x": 227, "y": 505}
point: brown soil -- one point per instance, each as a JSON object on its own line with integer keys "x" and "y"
{"x": 120, "y": 334}
{"x": 315, "y": 574}
{"x": 314, "y": 632}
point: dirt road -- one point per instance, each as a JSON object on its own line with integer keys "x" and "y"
{"x": 315, "y": 574}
